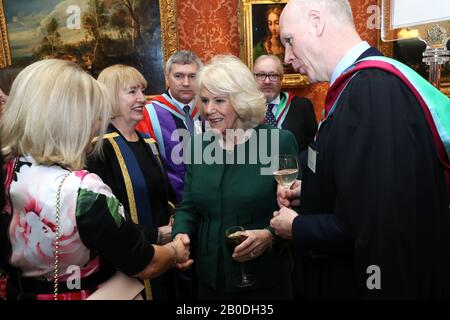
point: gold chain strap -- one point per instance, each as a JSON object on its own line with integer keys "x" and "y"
{"x": 57, "y": 235}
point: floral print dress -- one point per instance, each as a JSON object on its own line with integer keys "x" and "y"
{"x": 92, "y": 228}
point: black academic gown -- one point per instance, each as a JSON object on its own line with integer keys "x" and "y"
{"x": 108, "y": 168}
{"x": 377, "y": 199}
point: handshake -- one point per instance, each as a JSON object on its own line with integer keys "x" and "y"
{"x": 180, "y": 248}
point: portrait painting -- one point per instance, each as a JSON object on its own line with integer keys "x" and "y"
{"x": 260, "y": 33}
{"x": 93, "y": 33}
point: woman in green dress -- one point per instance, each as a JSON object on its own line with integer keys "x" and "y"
{"x": 229, "y": 182}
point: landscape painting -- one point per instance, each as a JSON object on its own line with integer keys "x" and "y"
{"x": 93, "y": 33}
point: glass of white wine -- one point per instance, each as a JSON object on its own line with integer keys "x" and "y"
{"x": 287, "y": 170}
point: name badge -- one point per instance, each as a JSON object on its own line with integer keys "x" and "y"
{"x": 312, "y": 158}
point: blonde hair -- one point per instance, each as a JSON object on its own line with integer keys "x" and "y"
{"x": 228, "y": 75}
{"x": 51, "y": 112}
{"x": 117, "y": 77}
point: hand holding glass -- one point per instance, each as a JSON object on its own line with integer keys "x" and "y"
{"x": 233, "y": 237}
{"x": 287, "y": 170}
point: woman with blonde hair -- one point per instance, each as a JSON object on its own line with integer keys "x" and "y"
{"x": 132, "y": 168}
{"x": 62, "y": 231}
{"x": 231, "y": 190}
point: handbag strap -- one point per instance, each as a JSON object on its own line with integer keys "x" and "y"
{"x": 57, "y": 236}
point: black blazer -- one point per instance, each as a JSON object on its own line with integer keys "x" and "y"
{"x": 301, "y": 121}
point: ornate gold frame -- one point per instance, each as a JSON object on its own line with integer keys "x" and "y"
{"x": 169, "y": 35}
{"x": 246, "y": 40}
{"x": 5, "y": 55}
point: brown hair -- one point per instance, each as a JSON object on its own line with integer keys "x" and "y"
{"x": 7, "y": 76}
{"x": 275, "y": 9}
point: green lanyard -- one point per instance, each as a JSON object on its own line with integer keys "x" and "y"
{"x": 281, "y": 106}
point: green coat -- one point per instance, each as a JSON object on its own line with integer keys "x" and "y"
{"x": 217, "y": 196}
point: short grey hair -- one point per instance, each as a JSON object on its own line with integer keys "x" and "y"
{"x": 183, "y": 57}
{"x": 228, "y": 75}
{"x": 273, "y": 58}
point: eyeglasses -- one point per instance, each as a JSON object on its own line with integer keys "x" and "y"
{"x": 271, "y": 76}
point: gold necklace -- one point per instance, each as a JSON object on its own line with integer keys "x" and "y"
{"x": 57, "y": 236}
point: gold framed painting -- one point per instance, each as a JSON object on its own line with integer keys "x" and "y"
{"x": 259, "y": 34}
{"x": 93, "y": 33}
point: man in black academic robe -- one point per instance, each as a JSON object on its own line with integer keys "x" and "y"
{"x": 374, "y": 218}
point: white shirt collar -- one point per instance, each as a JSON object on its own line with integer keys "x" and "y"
{"x": 191, "y": 104}
{"x": 349, "y": 59}
{"x": 276, "y": 100}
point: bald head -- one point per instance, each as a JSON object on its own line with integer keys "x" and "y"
{"x": 316, "y": 35}
{"x": 340, "y": 10}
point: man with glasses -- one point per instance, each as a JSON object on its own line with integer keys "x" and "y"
{"x": 284, "y": 110}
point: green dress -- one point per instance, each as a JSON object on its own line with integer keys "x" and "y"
{"x": 217, "y": 196}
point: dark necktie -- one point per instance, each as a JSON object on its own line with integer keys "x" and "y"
{"x": 188, "y": 120}
{"x": 270, "y": 118}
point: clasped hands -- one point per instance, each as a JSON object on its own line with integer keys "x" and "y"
{"x": 282, "y": 219}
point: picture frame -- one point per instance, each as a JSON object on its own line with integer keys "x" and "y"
{"x": 256, "y": 37}
{"x": 409, "y": 51}
{"x": 142, "y": 34}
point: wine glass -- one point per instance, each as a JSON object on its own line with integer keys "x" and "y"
{"x": 234, "y": 236}
{"x": 287, "y": 170}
